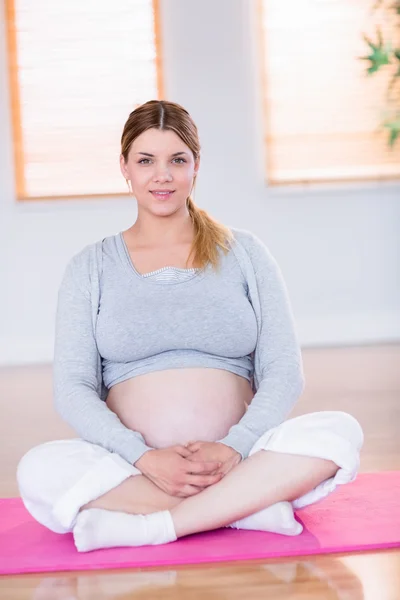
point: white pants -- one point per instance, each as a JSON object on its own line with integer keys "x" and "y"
{"x": 57, "y": 478}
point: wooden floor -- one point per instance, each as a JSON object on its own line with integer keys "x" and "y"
{"x": 363, "y": 381}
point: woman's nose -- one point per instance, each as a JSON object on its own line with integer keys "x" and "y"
{"x": 163, "y": 174}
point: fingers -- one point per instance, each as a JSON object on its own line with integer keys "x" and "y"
{"x": 203, "y": 467}
{"x": 182, "y": 451}
{"x": 194, "y": 446}
{"x": 189, "y": 490}
{"x": 203, "y": 480}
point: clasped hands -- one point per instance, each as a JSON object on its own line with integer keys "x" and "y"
{"x": 187, "y": 470}
{"x": 226, "y": 456}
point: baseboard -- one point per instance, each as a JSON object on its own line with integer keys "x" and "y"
{"x": 25, "y": 351}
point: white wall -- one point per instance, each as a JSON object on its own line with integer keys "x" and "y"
{"x": 338, "y": 246}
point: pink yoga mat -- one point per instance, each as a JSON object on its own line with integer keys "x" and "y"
{"x": 362, "y": 515}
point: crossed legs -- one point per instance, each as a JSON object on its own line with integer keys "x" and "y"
{"x": 73, "y": 485}
{"x": 259, "y": 481}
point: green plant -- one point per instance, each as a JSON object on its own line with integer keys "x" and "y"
{"x": 386, "y": 54}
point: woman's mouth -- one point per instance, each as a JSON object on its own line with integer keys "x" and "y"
{"x": 162, "y": 194}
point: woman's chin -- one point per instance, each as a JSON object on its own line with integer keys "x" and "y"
{"x": 166, "y": 207}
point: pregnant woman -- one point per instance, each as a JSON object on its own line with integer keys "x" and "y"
{"x": 176, "y": 362}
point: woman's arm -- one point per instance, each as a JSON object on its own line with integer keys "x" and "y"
{"x": 280, "y": 368}
{"x": 75, "y": 374}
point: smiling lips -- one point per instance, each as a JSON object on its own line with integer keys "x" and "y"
{"x": 162, "y": 194}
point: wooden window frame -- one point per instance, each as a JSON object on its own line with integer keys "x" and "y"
{"x": 266, "y": 128}
{"x": 15, "y": 105}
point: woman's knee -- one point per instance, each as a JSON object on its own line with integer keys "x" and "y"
{"x": 31, "y": 468}
{"x": 45, "y": 472}
{"x": 56, "y": 478}
{"x": 326, "y": 434}
{"x": 38, "y": 478}
{"x": 56, "y": 464}
{"x": 341, "y": 423}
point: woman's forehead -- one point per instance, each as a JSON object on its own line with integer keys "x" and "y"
{"x": 156, "y": 141}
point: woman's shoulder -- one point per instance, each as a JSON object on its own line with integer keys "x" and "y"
{"x": 251, "y": 242}
{"x": 85, "y": 262}
{"x": 82, "y": 258}
{"x": 246, "y": 237}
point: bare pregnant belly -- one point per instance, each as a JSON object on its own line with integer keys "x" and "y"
{"x": 176, "y": 406}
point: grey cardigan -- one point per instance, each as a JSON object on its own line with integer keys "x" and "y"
{"x": 79, "y": 390}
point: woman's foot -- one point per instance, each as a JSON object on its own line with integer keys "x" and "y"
{"x": 278, "y": 518}
{"x": 97, "y": 528}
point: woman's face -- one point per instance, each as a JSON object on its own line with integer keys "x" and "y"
{"x": 161, "y": 169}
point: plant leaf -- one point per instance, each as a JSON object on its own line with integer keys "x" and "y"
{"x": 394, "y": 130}
{"x": 380, "y": 54}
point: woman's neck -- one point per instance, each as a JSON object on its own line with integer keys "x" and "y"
{"x": 161, "y": 234}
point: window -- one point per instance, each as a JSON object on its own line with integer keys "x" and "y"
{"x": 77, "y": 69}
{"x": 322, "y": 113}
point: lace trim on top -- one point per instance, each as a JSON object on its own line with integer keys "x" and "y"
{"x": 170, "y": 274}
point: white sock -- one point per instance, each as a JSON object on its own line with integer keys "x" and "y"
{"x": 99, "y": 528}
{"x": 278, "y": 518}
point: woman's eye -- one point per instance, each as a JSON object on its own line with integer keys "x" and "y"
{"x": 144, "y": 161}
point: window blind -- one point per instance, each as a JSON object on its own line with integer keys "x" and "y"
{"x": 77, "y": 69}
{"x": 322, "y": 113}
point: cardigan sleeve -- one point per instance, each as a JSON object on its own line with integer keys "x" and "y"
{"x": 75, "y": 373}
{"x": 278, "y": 361}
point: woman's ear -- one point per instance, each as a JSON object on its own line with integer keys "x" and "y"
{"x": 122, "y": 165}
{"x": 196, "y": 165}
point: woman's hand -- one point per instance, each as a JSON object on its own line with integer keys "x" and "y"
{"x": 215, "y": 451}
{"x": 170, "y": 469}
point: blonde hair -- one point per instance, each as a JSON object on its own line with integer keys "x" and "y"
{"x": 164, "y": 115}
